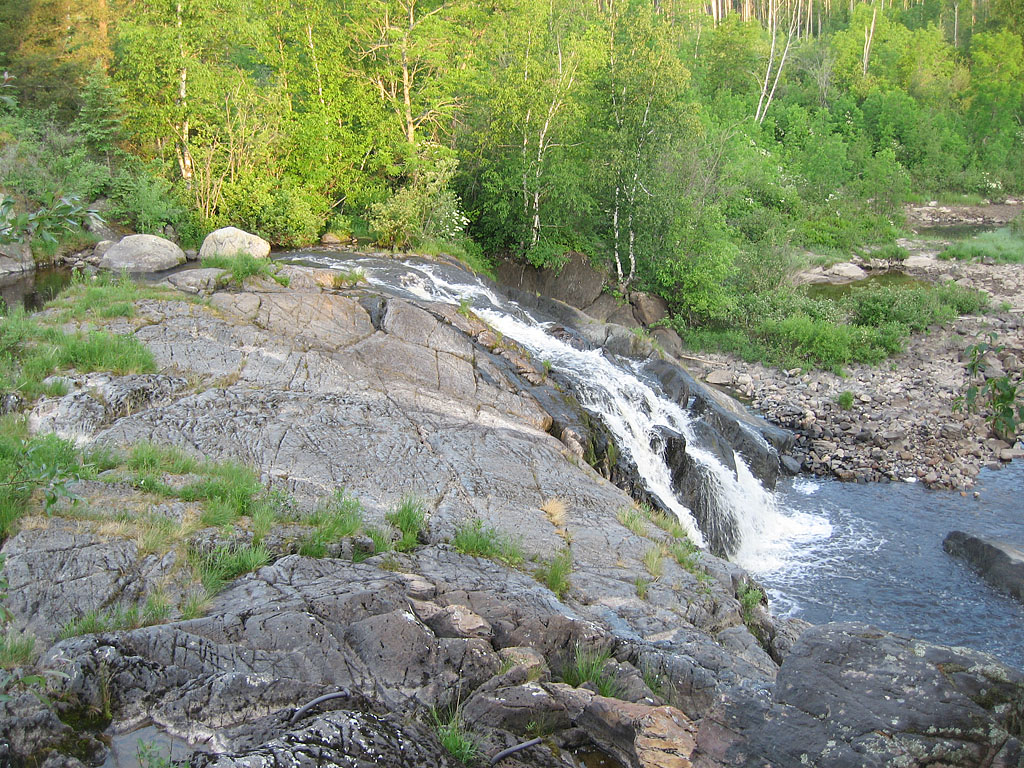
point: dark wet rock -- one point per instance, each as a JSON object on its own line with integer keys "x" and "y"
{"x": 576, "y": 282}
{"x": 342, "y": 738}
{"x": 648, "y": 308}
{"x": 1001, "y": 563}
{"x": 851, "y": 696}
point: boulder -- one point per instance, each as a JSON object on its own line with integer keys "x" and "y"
{"x": 15, "y": 258}
{"x": 231, "y": 241}
{"x": 851, "y": 696}
{"x": 142, "y": 253}
{"x": 197, "y": 281}
{"x": 1000, "y": 563}
{"x": 648, "y": 308}
{"x": 577, "y": 283}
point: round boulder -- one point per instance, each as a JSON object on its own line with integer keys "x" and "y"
{"x": 142, "y": 253}
{"x": 231, "y": 241}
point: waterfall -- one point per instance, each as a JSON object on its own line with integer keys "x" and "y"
{"x": 734, "y": 508}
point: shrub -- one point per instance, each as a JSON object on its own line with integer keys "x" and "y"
{"x": 845, "y": 400}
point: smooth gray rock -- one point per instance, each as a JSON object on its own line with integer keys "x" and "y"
{"x": 16, "y": 258}
{"x": 197, "y": 281}
{"x": 230, "y": 241}
{"x": 1000, "y": 563}
{"x": 142, "y": 253}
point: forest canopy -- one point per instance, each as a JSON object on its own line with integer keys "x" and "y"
{"x": 686, "y": 146}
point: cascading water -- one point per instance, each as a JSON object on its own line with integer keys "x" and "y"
{"x": 734, "y": 506}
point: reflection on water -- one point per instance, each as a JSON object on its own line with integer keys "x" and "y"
{"x": 32, "y": 289}
{"x": 883, "y": 561}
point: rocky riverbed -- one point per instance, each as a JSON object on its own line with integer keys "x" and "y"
{"x": 321, "y": 389}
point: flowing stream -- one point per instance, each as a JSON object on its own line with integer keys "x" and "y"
{"x": 827, "y": 551}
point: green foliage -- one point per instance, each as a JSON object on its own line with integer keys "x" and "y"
{"x": 687, "y": 554}
{"x": 642, "y": 586}
{"x": 454, "y": 736}
{"x": 588, "y": 666}
{"x": 339, "y": 517}
{"x": 999, "y": 396}
{"x": 554, "y": 573}
{"x": 474, "y": 538}
{"x": 155, "y": 610}
{"x": 653, "y": 560}
{"x": 410, "y": 517}
{"x": 244, "y": 265}
{"x": 44, "y": 463}
{"x": 216, "y": 568}
{"x": 425, "y": 208}
{"x": 632, "y": 519}
{"x": 845, "y": 400}
{"x": 228, "y": 487}
{"x": 750, "y": 598}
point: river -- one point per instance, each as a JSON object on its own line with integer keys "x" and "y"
{"x": 826, "y": 550}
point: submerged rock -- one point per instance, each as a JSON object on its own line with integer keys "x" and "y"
{"x": 1000, "y": 563}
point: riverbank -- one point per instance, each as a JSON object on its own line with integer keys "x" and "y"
{"x": 900, "y": 421}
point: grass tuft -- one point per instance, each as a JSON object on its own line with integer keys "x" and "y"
{"x": 474, "y": 538}
{"x": 410, "y": 517}
{"x": 454, "y": 736}
{"x": 632, "y": 519}
{"x": 555, "y": 572}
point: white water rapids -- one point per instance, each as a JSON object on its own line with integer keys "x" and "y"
{"x": 634, "y": 413}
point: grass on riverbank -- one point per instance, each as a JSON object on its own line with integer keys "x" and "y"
{"x": 789, "y": 328}
{"x": 1002, "y": 246}
{"x": 243, "y": 265}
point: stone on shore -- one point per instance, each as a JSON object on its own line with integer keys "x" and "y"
{"x": 15, "y": 258}
{"x": 142, "y": 253}
{"x": 231, "y": 241}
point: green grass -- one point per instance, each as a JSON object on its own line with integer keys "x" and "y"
{"x": 588, "y": 666}
{"x": 348, "y": 278}
{"x": 642, "y": 585}
{"x": 454, "y": 737}
{"x": 845, "y": 400}
{"x": 474, "y": 538}
{"x": 334, "y": 520}
{"x": 229, "y": 485}
{"x": 215, "y": 569}
{"x": 633, "y": 519}
{"x": 243, "y": 265}
{"x": 29, "y": 464}
{"x": 554, "y": 573}
{"x": 155, "y": 610}
{"x": 383, "y": 540}
{"x": 410, "y": 518}
{"x": 16, "y": 650}
{"x": 31, "y": 351}
{"x": 150, "y": 457}
{"x": 687, "y": 554}
{"x": 1002, "y": 246}
{"x": 653, "y": 560}
{"x": 105, "y": 296}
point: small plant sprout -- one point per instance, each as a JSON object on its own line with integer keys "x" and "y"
{"x": 845, "y": 400}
